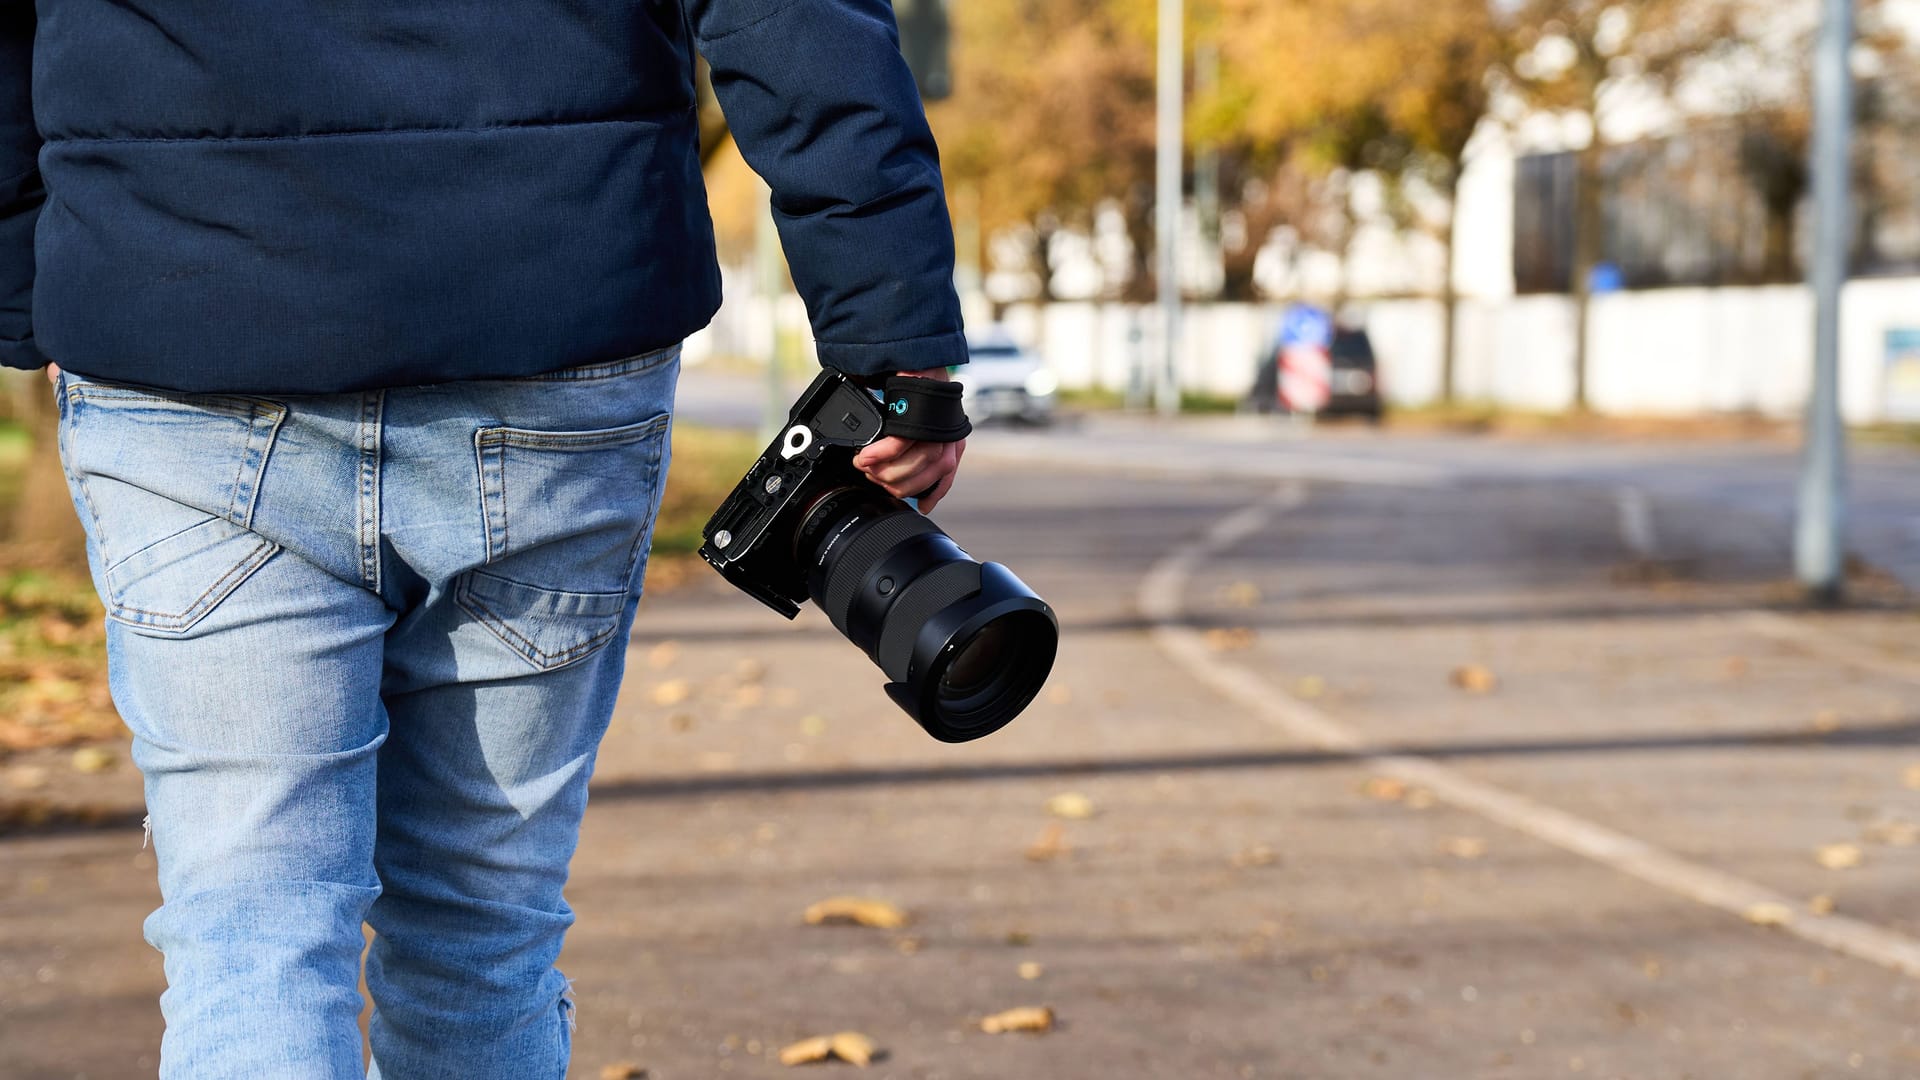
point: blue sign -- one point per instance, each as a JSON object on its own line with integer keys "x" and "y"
{"x": 1304, "y": 324}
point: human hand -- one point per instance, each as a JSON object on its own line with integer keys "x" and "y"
{"x": 906, "y": 467}
{"x": 53, "y": 373}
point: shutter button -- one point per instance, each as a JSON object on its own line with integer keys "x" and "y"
{"x": 886, "y": 586}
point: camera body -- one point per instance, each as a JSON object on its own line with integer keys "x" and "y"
{"x": 812, "y": 455}
{"x": 965, "y": 645}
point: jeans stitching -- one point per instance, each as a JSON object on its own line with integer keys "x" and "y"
{"x": 186, "y": 618}
{"x": 372, "y": 408}
{"x": 540, "y": 657}
{"x": 258, "y": 457}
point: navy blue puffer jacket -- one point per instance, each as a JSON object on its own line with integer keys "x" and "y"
{"x": 291, "y": 196}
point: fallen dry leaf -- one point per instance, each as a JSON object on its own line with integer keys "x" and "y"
{"x": 1229, "y": 639}
{"x": 1071, "y": 805}
{"x": 1243, "y": 594}
{"x": 672, "y": 692}
{"x": 1384, "y": 788}
{"x": 1826, "y": 720}
{"x": 1419, "y": 799}
{"x": 1910, "y": 776}
{"x": 749, "y": 696}
{"x": 1026, "y": 1018}
{"x": 663, "y": 654}
{"x": 1821, "y": 905}
{"x": 1257, "y": 855}
{"x": 1051, "y": 845}
{"x": 93, "y": 759}
{"x": 1475, "y": 679}
{"x": 849, "y": 1046}
{"x": 1059, "y": 695}
{"x": 1309, "y": 687}
{"x": 1769, "y": 913}
{"x": 1894, "y": 833}
{"x": 1465, "y": 847}
{"x": 1839, "y": 856}
{"x": 857, "y": 911}
{"x": 749, "y": 670}
{"x": 624, "y": 1070}
{"x": 813, "y": 726}
{"x": 807, "y": 1051}
{"x": 1031, "y": 971}
{"x": 1736, "y": 666}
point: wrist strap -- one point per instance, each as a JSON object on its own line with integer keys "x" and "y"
{"x": 924, "y": 410}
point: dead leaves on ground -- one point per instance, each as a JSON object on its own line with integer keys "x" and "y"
{"x": 1475, "y": 679}
{"x": 1839, "y": 856}
{"x": 1769, "y": 913}
{"x": 1071, "y": 805}
{"x": 1229, "y": 638}
{"x": 855, "y": 911}
{"x": 1389, "y": 789}
{"x": 1051, "y": 845}
{"x": 1028, "y": 1018}
{"x": 848, "y": 1046}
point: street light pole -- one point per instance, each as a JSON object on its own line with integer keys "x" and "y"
{"x": 1168, "y": 159}
{"x": 1820, "y": 533}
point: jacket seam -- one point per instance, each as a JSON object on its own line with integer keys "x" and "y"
{"x": 660, "y": 120}
{"x": 749, "y": 25}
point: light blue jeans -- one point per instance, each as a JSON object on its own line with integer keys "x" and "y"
{"x": 367, "y": 644}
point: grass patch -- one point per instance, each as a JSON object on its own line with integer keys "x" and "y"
{"x": 53, "y": 662}
{"x": 1100, "y": 399}
{"x": 707, "y": 463}
{"x": 1907, "y": 435}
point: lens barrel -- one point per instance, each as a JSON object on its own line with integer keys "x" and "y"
{"x": 966, "y": 644}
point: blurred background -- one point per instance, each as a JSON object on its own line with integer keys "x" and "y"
{"x": 1473, "y": 449}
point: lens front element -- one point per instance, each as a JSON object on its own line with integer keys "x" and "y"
{"x": 966, "y": 644}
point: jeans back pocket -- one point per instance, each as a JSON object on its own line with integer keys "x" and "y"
{"x": 166, "y": 485}
{"x": 567, "y": 515}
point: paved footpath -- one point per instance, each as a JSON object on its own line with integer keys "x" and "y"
{"x": 1270, "y": 885}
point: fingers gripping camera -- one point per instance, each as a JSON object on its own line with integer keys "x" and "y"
{"x": 965, "y": 645}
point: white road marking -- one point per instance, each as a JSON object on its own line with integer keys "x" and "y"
{"x": 1830, "y": 645}
{"x": 1160, "y": 601}
{"x": 1637, "y": 533}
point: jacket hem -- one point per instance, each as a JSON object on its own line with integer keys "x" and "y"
{"x": 887, "y": 357}
{"x": 21, "y": 353}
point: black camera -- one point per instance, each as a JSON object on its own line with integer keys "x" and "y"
{"x": 966, "y": 646}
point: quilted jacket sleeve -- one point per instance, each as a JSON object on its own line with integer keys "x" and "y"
{"x": 822, "y": 105}
{"x": 20, "y": 190}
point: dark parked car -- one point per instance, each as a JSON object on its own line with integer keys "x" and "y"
{"x": 1352, "y": 381}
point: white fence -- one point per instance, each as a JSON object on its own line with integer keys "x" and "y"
{"x": 1661, "y": 352}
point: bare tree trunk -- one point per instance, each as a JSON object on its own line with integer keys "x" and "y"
{"x": 1043, "y": 261}
{"x": 1449, "y": 294}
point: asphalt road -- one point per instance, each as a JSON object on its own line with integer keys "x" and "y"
{"x": 1311, "y": 852}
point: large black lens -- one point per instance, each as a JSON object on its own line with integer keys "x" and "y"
{"x": 967, "y": 645}
{"x": 977, "y": 662}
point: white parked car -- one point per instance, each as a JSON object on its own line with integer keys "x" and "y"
{"x": 1004, "y": 381}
